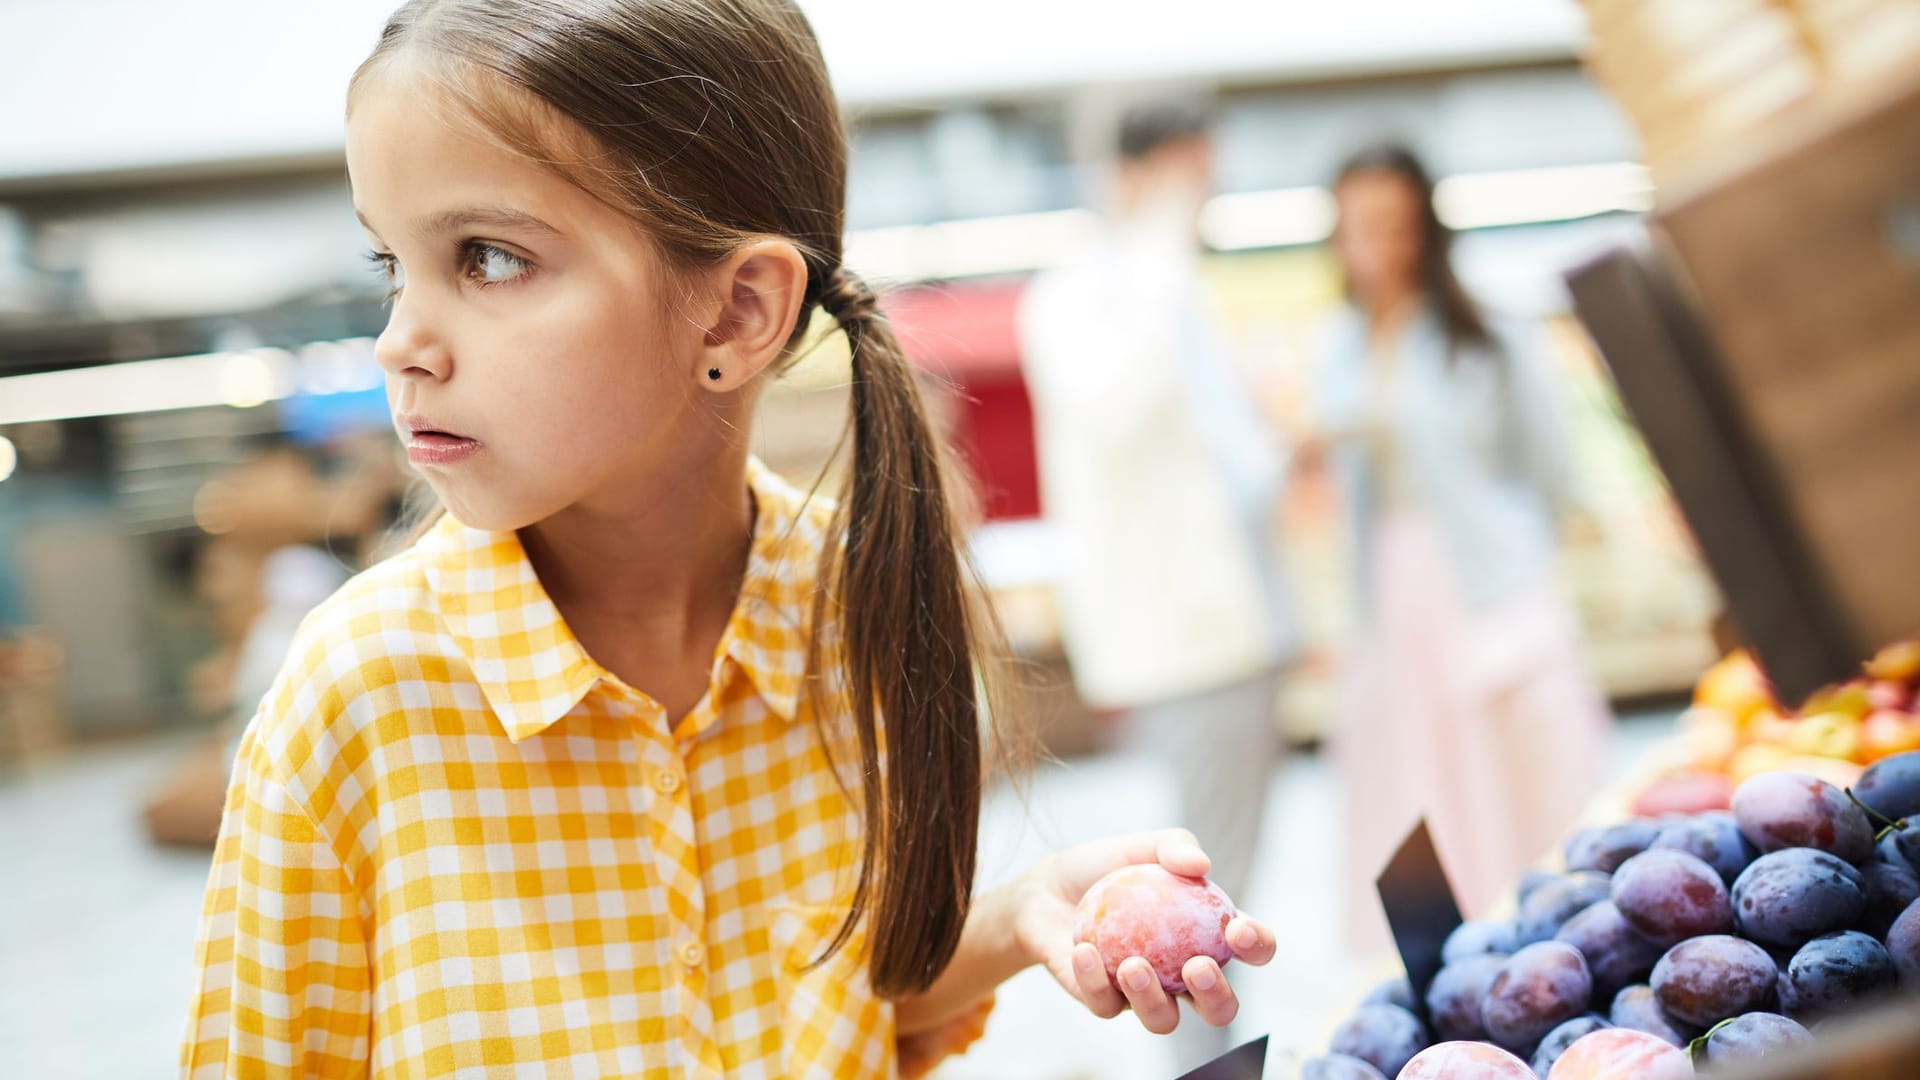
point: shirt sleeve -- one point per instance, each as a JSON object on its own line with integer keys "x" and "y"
{"x": 921, "y": 1052}
{"x": 283, "y": 979}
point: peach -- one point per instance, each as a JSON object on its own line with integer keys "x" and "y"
{"x": 1465, "y": 1061}
{"x": 1735, "y": 685}
{"x": 1899, "y": 662}
{"x": 1684, "y": 793}
{"x": 1621, "y": 1054}
{"x": 1887, "y": 733}
{"x": 1160, "y": 916}
{"x": 1830, "y": 734}
{"x": 1890, "y": 695}
{"x": 1849, "y": 699}
{"x": 1711, "y": 736}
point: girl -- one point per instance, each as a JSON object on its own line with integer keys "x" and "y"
{"x": 639, "y": 761}
{"x": 1467, "y": 699}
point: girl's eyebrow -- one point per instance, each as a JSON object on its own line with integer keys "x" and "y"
{"x": 468, "y": 217}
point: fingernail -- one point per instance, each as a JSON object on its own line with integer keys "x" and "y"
{"x": 1201, "y": 980}
{"x": 1137, "y": 980}
{"x": 1244, "y": 937}
{"x": 1083, "y": 961}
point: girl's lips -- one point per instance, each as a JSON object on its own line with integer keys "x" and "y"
{"x": 439, "y": 448}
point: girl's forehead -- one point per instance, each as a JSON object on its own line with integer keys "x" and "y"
{"x": 407, "y": 157}
{"x": 420, "y": 153}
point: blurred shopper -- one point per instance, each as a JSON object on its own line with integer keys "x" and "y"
{"x": 1465, "y": 698}
{"x": 293, "y": 581}
{"x": 1162, "y": 477}
{"x": 257, "y": 579}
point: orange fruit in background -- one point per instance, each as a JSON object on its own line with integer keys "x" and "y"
{"x": 1848, "y": 699}
{"x": 1735, "y": 686}
{"x": 1841, "y": 774}
{"x": 1712, "y": 736}
{"x": 1890, "y": 695}
{"x": 1751, "y": 761}
{"x": 1899, "y": 662}
{"x": 1826, "y": 734}
{"x": 1684, "y": 793}
{"x": 1887, "y": 732}
{"x": 1770, "y": 728}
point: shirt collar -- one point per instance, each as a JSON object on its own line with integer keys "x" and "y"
{"x": 533, "y": 671}
{"x": 772, "y": 621}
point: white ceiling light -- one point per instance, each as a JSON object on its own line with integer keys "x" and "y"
{"x": 1537, "y": 196}
{"x": 242, "y": 379}
{"x": 1258, "y": 219}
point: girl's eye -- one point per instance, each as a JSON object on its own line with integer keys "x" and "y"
{"x": 489, "y": 265}
{"x": 388, "y": 267}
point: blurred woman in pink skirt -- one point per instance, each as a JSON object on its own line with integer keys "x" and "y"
{"x": 1465, "y": 697}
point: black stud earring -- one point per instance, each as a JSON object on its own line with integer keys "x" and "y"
{"x": 713, "y": 374}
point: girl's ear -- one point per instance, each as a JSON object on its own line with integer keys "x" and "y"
{"x": 754, "y": 300}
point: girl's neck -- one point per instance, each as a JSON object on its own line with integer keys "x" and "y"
{"x": 647, "y": 580}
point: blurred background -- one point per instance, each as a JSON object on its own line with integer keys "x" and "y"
{"x": 194, "y": 444}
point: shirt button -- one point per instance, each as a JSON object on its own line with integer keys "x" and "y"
{"x": 691, "y": 954}
{"x": 667, "y": 781}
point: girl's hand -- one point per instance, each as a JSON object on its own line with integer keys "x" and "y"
{"x": 1044, "y": 926}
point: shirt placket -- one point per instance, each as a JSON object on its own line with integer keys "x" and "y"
{"x": 682, "y": 949}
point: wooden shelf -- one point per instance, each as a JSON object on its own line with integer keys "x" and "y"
{"x": 1767, "y": 341}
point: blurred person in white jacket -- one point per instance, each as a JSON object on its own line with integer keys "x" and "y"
{"x": 1161, "y": 476}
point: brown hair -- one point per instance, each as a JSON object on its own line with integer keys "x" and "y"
{"x": 1148, "y": 127}
{"x": 711, "y": 122}
{"x": 1459, "y": 316}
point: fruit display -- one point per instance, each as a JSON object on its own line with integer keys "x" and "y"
{"x": 1737, "y": 729}
{"x": 1153, "y": 913}
{"x": 1699, "y": 941}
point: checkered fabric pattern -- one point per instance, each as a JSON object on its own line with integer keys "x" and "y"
{"x": 456, "y": 846}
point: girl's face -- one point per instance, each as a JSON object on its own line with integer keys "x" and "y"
{"x": 1380, "y": 235}
{"x": 533, "y": 360}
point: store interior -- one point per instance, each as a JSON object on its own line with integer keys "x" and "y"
{"x": 1699, "y": 216}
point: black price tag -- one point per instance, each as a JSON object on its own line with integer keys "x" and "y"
{"x": 1420, "y": 909}
{"x": 1242, "y": 1063}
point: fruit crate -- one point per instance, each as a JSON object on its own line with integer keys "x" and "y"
{"x": 1698, "y": 76}
{"x": 1766, "y": 340}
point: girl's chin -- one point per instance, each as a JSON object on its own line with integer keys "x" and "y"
{"x": 489, "y": 515}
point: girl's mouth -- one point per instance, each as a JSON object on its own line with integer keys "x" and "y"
{"x": 430, "y": 445}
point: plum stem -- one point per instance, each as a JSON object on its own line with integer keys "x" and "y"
{"x": 1697, "y": 1049}
{"x": 1884, "y": 821}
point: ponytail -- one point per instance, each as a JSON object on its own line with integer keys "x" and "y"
{"x": 898, "y": 588}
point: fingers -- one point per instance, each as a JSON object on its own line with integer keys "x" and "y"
{"x": 1179, "y": 851}
{"x": 1175, "y": 849}
{"x": 1161, "y": 845}
{"x": 1251, "y": 940}
{"x": 1091, "y": 982}
{"x": 1158, "y": 1012}
{"x": 1213, "y": 998}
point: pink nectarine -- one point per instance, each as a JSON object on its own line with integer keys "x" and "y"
{"x": 1621, "y": 1054}
{"x": 1465, "y": 1061}
{"x": 1153, "y": 913}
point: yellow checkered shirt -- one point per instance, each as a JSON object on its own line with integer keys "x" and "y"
{"x": 455, "y": 845}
